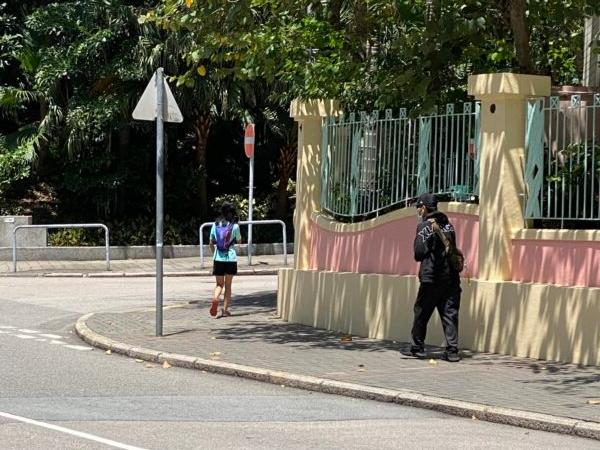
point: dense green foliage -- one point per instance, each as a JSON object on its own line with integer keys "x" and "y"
{"x": 72, "y": 71}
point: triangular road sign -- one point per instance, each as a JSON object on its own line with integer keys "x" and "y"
{"x": 146, "y": 107}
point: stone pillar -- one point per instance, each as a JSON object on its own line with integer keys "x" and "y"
{"x": 28, "y": 237}
{"x": 502, "y": 188}
{"x": 309, "y": 115}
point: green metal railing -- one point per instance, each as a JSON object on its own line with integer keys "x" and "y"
{"x": 376, "y": 162}
{"x": 562, "y": 169}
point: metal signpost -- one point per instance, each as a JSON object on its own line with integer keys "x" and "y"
{"x": 249, "y": 150}
{"x": 157, "y": 103}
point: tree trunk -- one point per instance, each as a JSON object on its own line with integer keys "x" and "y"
{"x": 518, "y": 23}
{"x": 201, "y": 130}
{"x": 42, "y": 149}
{"x": 286, "y": 167}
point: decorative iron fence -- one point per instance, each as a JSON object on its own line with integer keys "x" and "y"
{"x": 374, "y": 162}
{"x": 562, "y": 169}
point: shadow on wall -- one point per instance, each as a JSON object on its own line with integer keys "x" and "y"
{"x": 539, "y": 261}
{"x": 528, "y": 320}
{"x": 532, "y": 320}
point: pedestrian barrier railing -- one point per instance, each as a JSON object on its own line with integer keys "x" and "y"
{"x": 247, "y": 222}
{"x": 372, "y": 163}
{"x": 562, "y": 168}
{"x": 60, "y": 226}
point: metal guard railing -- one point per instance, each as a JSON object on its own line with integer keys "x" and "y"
{"x": 247, "y": 222}
{"x": 59, "y": 226}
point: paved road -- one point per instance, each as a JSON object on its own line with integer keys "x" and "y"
{"x": 56, "y": 392}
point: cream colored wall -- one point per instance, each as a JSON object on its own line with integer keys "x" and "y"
{"x": 528, "y": 320}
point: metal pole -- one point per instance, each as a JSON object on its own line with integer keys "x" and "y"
{"x": 201, "y": 238}
{"x": 107, "y": 246}
{"x": 159, "y": 199}
{"x": 14, "y": 252}
{"x": 284, "y": 244}
{"x": 250, "y": 199}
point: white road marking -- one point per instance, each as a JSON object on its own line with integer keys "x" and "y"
{"x": 80, "y": 434}
{"x": 24, "y": 336}
{"x": 78, "y": 347}
{"x": 25, "y": 330}
{"x": 57, "y": 342}
{"x": 51, "y": 336}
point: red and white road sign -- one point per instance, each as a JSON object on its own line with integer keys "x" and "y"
{"x": 249, "y": 140}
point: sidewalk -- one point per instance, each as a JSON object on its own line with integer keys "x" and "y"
{"x": 261, "y": 265}
{"x": 254, "y": 343}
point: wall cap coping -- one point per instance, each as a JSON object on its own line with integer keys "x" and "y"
{"x": 328, "y": 223}
{"x": 557, "y": 235}
{"x": 303, "y": 109}
{"x": 508, "y": 85}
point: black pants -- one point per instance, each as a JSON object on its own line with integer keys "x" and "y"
{"x": 447, "y": 301}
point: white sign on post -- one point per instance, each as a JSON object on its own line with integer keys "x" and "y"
{"x": 146, "y": 106}
{"x": 157, "y": 103}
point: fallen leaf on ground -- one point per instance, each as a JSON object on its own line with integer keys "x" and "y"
{"x": 108, "y": 352}
{"x": 361, "y": 370}
{"x": 433, "y": 362}
{"x": 166, "y": 365}
{"x": 150, "y": 366}
{"x": 213, "y": 337}
{"x": 361, "y": 365}
{"x": 594, "y": 402}
{"x": 139, "y": 360}
{"x": 346, "y": 339}
{"x": 474, "y": 418}
{"x": 283, "y": 385}
{"x": 215, "y": 354}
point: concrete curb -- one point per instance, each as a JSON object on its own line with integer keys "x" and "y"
{"x": 507, "y": 416}
{"x": 241, "y": 272}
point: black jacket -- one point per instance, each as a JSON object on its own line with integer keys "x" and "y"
{"x": 430, "y": 251}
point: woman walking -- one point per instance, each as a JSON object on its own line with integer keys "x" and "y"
{"x": 224, "y": 235}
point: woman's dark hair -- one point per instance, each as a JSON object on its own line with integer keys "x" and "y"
{"x": 228, "y": 212}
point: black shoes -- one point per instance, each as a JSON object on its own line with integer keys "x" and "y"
{"x": 414, "y": 352}
{"x": 451, "y": 356}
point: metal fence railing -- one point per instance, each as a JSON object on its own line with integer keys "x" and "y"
{"x": 562, "y": 169}
{"x": 373, "y": 162}
{"x": 60, "y": 226}
{"x": 247, "y": 222}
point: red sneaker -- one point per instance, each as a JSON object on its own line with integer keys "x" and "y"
{"x": 214, "y": 307}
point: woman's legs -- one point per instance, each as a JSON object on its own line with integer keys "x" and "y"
{"x": 227, "y": 297}
{"x": 214, "y": 304}
{"x": 220, "y": 283}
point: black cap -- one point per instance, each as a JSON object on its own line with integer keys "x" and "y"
{"x": 427, "y": 200}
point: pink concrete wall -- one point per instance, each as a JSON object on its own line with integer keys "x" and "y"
{"x": 567, "y": 263}
{"x": 385, "y": 249}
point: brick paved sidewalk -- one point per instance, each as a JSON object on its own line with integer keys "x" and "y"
{"x": 173, "y": 266}
{"x": 253, "y": 336}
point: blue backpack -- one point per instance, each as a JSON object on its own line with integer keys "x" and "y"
{"x": 223, "y": 230}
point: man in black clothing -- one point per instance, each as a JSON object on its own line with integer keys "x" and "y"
{"x": 440, "y": 282}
